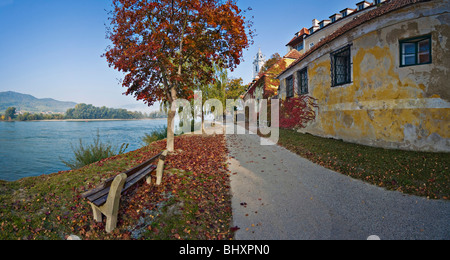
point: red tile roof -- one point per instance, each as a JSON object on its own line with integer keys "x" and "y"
{"x": 298, "y": 37}
{"x": 293, "y": 54}
{"x": 387, "y": 7}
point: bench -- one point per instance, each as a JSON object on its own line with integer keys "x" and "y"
{"x": 105, "y": 199}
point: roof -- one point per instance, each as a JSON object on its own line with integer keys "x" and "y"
{"x": 387, "y": 7}
{"x": 298, "y": 37}
{"x": 293, "y": 54}
{"x": 346, "y": 9}
{"x": 336, "y": 14}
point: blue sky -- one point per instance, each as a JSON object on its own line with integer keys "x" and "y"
{"x": 53, "y": 48}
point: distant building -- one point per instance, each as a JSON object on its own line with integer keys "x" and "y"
{"x": 379, "y": 73}
{"x": 265, "y": 86}
{"x": 258, "y": 63}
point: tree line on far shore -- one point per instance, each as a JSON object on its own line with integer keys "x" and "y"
{"x": 81, "y": 111}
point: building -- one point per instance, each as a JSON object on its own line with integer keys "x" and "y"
{"x": 265, "y": 85}
{"x": 380, "y": 74}
{"x": 258, "y": 63}
{"x": 305, "y": 39}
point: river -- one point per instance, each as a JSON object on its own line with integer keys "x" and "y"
{"x": 36, "y": 148}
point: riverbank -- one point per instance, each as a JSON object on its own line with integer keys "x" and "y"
{"x": 83, "y": 120}
{"x": 93, "y": 120}
{"x": 192, "y": 203}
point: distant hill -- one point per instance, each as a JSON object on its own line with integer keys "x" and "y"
{"x": 28, "y": 103}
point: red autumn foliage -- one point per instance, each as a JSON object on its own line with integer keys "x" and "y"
{"x": 195, "y": 184}
{"x": 297, "y": 112}
{"x": 167, "y": 47}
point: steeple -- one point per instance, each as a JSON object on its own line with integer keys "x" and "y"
{"x": 258, "y": 63}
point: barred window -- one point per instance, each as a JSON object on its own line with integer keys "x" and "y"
{"x": 290, "y": 87}
{"x": 341, "y": 67}
{"x": 302, "y": 77}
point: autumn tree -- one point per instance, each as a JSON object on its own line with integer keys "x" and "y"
{"x": 165, "y": 47}
{"x": 271, "y": 62}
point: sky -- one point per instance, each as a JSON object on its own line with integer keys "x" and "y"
{"x": 53, "y": 48}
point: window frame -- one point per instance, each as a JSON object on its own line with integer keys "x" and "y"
{"x": 301, "y": 84}
{"x": 290, "y": 87}
{"x": 300, "y": 46}
{"x": 415, "y": 41}
{"x": 349, "y": 63}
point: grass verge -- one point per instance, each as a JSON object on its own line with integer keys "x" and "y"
{"x": 194, "y": 201}
{"x": 417, "y": 173}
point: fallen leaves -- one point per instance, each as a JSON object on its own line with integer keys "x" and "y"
{"x": 193, "y": 201}
{"x": 234, "y": 229}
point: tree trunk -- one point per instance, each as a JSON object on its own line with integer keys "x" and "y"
{"x": 171, "y": 122}
{"x": 170, "y": 130}
{"x": 203, "y": 122}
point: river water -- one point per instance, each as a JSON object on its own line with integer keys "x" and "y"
{"x": 36, "y": 148}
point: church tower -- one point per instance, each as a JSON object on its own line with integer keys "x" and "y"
{"x": 258, "y": 63}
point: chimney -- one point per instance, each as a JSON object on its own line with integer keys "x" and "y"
{"x": 315, "y": 23}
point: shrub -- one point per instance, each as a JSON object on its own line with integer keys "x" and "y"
{"x": 159, "y": 134}
{"x": 297, "y": 112}
{"x": 97, "y": 151}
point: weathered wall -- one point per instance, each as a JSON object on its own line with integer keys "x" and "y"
{"x": 386, "y": 105}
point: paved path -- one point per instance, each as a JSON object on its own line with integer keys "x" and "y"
{"x": 279, "y": 195}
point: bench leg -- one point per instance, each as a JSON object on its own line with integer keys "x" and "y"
{"x": 111, "y": 208}
{"x": 111, "y": 223}
{"x": 160, "y": 169}
{"x": 111, "y": 215}
{"x": 97, "y": 213}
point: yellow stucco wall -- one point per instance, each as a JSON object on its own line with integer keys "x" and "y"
{"x": 387, "y": 105}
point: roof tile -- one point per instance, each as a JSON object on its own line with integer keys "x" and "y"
{"x": 387, "y": 7}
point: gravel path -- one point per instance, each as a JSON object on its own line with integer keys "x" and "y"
{"x": 278, "y": 195}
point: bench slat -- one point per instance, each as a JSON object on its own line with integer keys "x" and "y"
{"x": 105, "y": 191}
{"x": 137, "y": 177}
{"x": 102, "y": 196}
{"x": 144, "y": 164}
{"x": 106, "y": 184}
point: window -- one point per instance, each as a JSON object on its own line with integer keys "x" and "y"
{"x": 341, "y": 67}
{"x": 302, "y": 77}
{"x": 299, "y": 47}
{"x": 415, "y": 51}
{"x": 290, "y": 87}
{"x": 333, "y": 19}
{"x": 360, "y": 7}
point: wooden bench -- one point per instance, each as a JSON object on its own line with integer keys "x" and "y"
{"x": 105, "y": 199}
